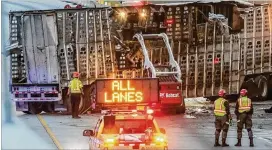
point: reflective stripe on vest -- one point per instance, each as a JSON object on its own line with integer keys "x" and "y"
{"x": 219, "y": 107}
{"x": 244, "y": 104}
{"x": 75, "y": 86}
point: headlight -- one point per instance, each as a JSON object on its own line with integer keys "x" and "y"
{"x": 159, "y": 139}
{"x": 110, "y": 140}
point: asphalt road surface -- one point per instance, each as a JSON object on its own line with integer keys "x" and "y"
{"x": 188, "y": 131}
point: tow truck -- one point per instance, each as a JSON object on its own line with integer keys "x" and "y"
{"x": 127, "y": 129}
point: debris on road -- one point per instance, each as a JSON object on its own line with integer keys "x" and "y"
{"x": 198, "y": 101}
{"x": 198, "y": 111}
{"x": 268, "y": 110}
{"x": 189, "y": 117}
{"x": 261, "y": 116}
{"x": 260, "y": 126}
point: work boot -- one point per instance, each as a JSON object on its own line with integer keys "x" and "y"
{"x": 251, "y": 142}
{"x": 238, "y": 143}
{"x": 224, "y": 144}
{"x": 216, "y": 143}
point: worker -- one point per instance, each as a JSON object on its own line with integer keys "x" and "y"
{"x": 244, "y": 111}
{"x": 222, "y": 117}
{"x": 75, "y": 91}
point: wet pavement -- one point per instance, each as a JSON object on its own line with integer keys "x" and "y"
{"x": 193, "y": 130}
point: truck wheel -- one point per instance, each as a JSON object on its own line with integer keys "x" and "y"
{"x": 67, "y": 102}
{"x": 49, "y": 107}
{"x": 180, "y": 109}
{"x": 251, "y": 87}
{"x": 85, "y": 103}
{"x": 261, "y": 82}
{"x": 35, "y": 107}
{"x": 26, "y": 112}
{"x": 81, "y": 105}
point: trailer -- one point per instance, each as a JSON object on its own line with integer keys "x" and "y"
{"x": 48, "y": 45}
{"x": 218, "y": 45}
{"x": 194, "y": 49}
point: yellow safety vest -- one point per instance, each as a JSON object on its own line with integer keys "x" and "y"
{"x": 219, "y": 107}
{"x": 75, "y": 85}
{"x": 244, "y": 104}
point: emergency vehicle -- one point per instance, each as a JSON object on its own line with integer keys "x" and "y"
{"x": 127, "y": 129}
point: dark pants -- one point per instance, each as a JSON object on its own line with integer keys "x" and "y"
{"x": 75, "y": 100}
{"x": 244, "y": 119}
{"x": 221, "y": 123}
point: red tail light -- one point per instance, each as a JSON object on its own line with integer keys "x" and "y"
{"x": 79, "y": 6}
{"x": 169, "y": 21}
{"x": 67, "y": 6}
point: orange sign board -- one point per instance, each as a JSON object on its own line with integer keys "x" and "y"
{"x": 123, "y": 92}
{"x": 112, "y": 91}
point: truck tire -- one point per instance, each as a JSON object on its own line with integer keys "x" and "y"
{"x": 67, "y": 101}
{"x": 262, "y": 84}
{"x": 35, "y": 107}
{"x": 85, "y": 103}
{"x": 26, "y": 112}
{"x": 269, "y": 95}
{"x": 251, "y": 87}
{"x": 81, "y": 105}
{"x": 49, "y": 107}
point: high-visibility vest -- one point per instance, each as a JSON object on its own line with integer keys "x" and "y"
{"x": 75, "y": 85}
{"x": 219, "y": 107}
{"x": 244, "y": 104}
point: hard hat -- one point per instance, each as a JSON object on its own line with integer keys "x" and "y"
{"x": 75, "y": 74}
{"x": 221, "y": 92}
{"x": 243, "y": 92}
